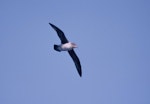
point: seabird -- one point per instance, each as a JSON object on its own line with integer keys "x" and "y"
{"x": 67, "y": 46}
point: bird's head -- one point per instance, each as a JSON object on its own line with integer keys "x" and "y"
{"x": 74, "y": 45}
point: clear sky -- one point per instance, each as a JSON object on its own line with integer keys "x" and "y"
{"x": 113, "y": 38}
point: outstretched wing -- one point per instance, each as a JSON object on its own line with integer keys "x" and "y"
{"x": 76, "y": 61}
{"x": 60, "y": 34}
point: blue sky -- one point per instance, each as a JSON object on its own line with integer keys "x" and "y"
{"x": 113, "y": 39}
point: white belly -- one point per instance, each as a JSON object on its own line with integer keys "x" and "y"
{"x": 66, "y": 47}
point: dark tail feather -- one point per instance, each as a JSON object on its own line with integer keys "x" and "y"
{"x": 56, "y": 47}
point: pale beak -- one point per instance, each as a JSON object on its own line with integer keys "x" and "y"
{"x": 74, "y": 45}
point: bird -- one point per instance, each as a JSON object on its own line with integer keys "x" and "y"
{"x": 67, "y": 46}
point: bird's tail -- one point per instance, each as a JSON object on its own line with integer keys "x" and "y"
{"x": 56, "y": 47}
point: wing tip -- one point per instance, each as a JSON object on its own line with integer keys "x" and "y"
{"x": 54, "y": 27}
{"x": 50, "y": 24}
{"x": 80, "y": 72}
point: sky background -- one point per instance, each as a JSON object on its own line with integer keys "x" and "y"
{"x": 113, "y": 38}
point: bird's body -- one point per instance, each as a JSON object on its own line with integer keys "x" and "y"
{"x": 67, "y": 46}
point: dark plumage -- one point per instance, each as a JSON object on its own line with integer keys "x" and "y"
{"x": 70, "y": 51}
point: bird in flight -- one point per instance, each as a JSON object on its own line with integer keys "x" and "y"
{"x": 67, "y": 46}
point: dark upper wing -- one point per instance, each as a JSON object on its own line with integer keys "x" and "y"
{"x": 76, "y": 61}
{"x": 60, "y": 34}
